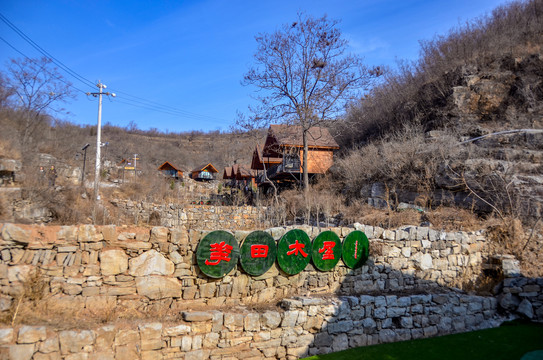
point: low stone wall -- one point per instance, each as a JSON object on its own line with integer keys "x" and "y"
{"x": 305, "y": 326}
{"x": 195, "y": 216}
{"x": 78, "y": 262}
{"x": 87, "y": 267}
{"x": 523, "y": 296}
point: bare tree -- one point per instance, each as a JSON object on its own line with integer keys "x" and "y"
{"x": 38, "y": 88}
{"x": 305, "y": 77}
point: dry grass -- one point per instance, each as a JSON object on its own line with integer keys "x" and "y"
{"x": 454, "y": 219}
{"x": 511, "y": 236}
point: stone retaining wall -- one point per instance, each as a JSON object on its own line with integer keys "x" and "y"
{"x": 84, "y": 261}
{"x": 305, "y": 326}
{"x": 195, "y": 216}
{"x": 87, "y": 267}
{"x": 523, "y": 296}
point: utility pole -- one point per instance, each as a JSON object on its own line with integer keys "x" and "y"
{"x": 84, "y": 148}
{"x": 98, "y": 135}
{"x": 135, "y": 168}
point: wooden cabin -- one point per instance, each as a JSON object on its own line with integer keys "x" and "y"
{"x": 282, "y": 153}
{"x": 171, "y": 171}
{"x": 204, "y": 172}
{"x": 245, "y": 175}
{"x": 260, "y": 162}
{"x": 227, "y": 173}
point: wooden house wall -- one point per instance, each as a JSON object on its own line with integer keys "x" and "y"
{"x": 318, "y": 160}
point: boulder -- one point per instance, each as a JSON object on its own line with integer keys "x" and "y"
{"x": 151, "y": 263}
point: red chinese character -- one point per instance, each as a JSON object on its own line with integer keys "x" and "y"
{"x": 297, "y": 247}
{"x": 328, "y": 250}
{"x": 356, "y": 249}
{"x": 219, "y": 252}
{"x": 259, "y": 251}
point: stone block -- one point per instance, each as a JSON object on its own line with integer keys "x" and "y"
{"x": 289, "y": 319}
{"x": 159, "y": 234}
{"x": 233, "y": 322}
{"x": 127, "y": 337}
{"x": 179, "y": 236}
{"x": 72, "y": 341}
{"x": 252, "y": 322}
{"x": 126, "y": 352}
{"x": 13, "y": 233}
{"x": 31, "y": 334}
{"x": 176, "y": 330}
{"x": 525, "y": 308}
{"x": 50, "y": 345}
{"x": 151, "y": 355}
{"x": 191, "y": 316}
{"x": 175, "y": 257}
{"x": 21, "y": 352}
{"x": 340, "y": 342}
{"x": 6, "y": 336}
{"x": 68, "y": 233}
{"x": 109, "y": 233}
{"x": 150, "y": 263}
{"x": 113, "y": 262}
{"x": 52, "y": 356}
{"x": 103, "y": 355}
{"x": 158, "y": 287}
{"x": 207, "y": 290}
{"x": 87, "y": 233}
{"x": 19, "y": 272}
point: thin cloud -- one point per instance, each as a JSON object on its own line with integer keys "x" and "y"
{"x": 366, "y": 46}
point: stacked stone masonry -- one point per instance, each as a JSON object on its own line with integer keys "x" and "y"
{"x": 89, "y": 267}
{"x": 305, "y": 326}
{"x": 199, "y": 216}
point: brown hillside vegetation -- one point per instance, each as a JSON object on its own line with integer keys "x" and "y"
{"x": 412, "y": 134}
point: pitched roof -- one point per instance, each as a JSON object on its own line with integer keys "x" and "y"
{"x": 245, "y": 171}
{"x": 172, "y": 166}
{"x": 210, "y": 167}
{"x": 257, "y": 162}
{"x": 291, "y": 135}
{"x": 227, "y": 173}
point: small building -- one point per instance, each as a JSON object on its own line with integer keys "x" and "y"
{"x": 245, "y": 175}
{"x": 204, "y": 172}
{"x": 227, "y": 173}
{"x": 282, "y": 153}
{"x": 171, "y": 171}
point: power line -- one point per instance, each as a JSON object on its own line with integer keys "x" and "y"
{"x": 129, "y": 99}
{"x": 34, "y": 61}
{"x": 45, "y": 53}
{"x": 167, "y": 108}
{"x": 150, "y": 105}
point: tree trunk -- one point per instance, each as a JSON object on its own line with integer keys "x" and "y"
{"x": 305, "y": 165}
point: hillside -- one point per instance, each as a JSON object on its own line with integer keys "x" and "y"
{"x": 414, "y": 137}
{"x": 409, "y": 140}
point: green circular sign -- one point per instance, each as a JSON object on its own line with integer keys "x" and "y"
{"x": 217, "y": 253}
{"x": 294, "y": 251}
{"x": 326, "y": 250}
{"x": 356, "y": 249}
{"x": 258, "y": 253}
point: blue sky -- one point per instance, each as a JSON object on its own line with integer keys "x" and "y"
{"x": 190, "y": 56}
